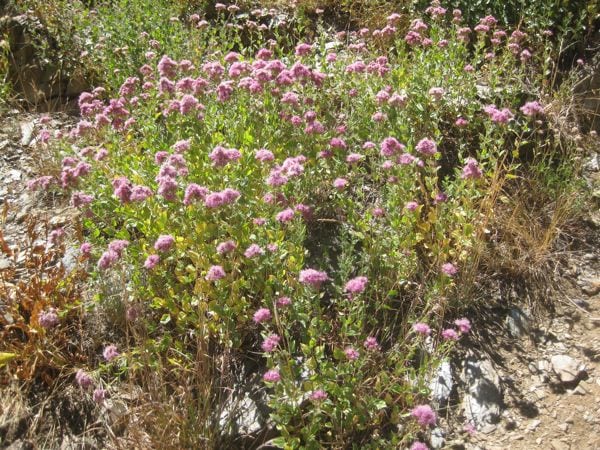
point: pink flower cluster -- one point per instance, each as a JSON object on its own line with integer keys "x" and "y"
{"x": 221, "y": 156}
{"x": 270, "y": 343}
{"x": 424, "y": 415}
{"x": 471, "y": 169}
{"x": 113, "y": 254}
{"x": 313, "y": 277}
{"x": 532, "y": 109}
{"x": 502, "y": 116}
{"x": 356, "y": 285}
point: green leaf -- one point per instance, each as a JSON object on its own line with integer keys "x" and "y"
{"x": 5, "y": 358}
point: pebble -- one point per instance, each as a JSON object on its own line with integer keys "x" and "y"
{"x": 566, "y": 368}
{"x": 533, "y": 424}
{"x": 5, "y": 263}
{"x": 559, "y": 445}
{"x": 591, "y": 287}
{"x": 582, "y": 388}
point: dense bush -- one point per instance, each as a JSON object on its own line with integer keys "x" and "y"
{"x": 307, "y": 214}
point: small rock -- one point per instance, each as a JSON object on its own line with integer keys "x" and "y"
{"x": 5, "y": 263}
{"x": 538, "y": 441}
{"x": 564, "y": 427}
{"x": 517, "y": 322}
{"x": 441, "y": 384}
{"x": 582, "y": 388}
{"x": 532, "y": 368}
{"x": 69, "y": 259}
{"x": 591, "y": 287}
{"x": 555, "y": 444}
{"x": 516, "y": 437}
{"x": 483, "y": 399}
{"x": 20, "y": 445}
{"x": 437, "y": 439}
{"x": 13, "y": 175}
{"x": 566, "y": 368}
{"x": 27, "y": 132}
{"x": 533, "y": 424}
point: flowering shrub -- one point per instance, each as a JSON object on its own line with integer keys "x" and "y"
{"x": 305, "y": 205}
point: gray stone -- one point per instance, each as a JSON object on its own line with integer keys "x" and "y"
{"x": 566, "y": 368}
{"x": 441, "y": 384}
{"x": 20, "y": 445}
{"x": 27, "y": 132}
{"x": 437, "y": 439}
{"x": 245, "y": 412}
{"x": 483, "y": 400}
{"x": 591, "y": 287}
{"x": 533, "y": 424}
{"x": 5, "y": 263}
{"x": 555, "y": 444}
{"x": 69, "y": 259}
{"x": 517, "y": 322}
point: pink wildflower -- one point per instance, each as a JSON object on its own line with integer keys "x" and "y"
{"x": 110, "y": 352}
{"x": 422, "y": 328}
{"x": 356, "y": 285}
{"x": 261, "y": 315}
{"x": 272, "y": 376}
{"x": 378, "y": 212}
{"x": 464, "y": 325}
{"x": 151, "y": 261}
{"x": 48, "y": 318}
{"x": 371, "y": 343}
{"x": 318, "y": 395}
{"x": 264, "y": 155}
{"x": 99, "y": 395}
{"x": 354, "y": 158}
{"x": 426, "y": 147}
{"x": 461, "y": 122}
{"x": 532, "y": 109}
{"x": 303, "y": 49}
{"x": 411, "y": 206}
{"x": 497, "y": 115}
{"x": 351, "y": 353}
{"x": 83, "y": 379}
{"x": 285, "y": 216}
{"x": 312, "y": 277}
{"x": 215, "y": 273}
{"x": 437, "y": 93}
{"x": 450, "y": 335}
{"x": 85, "y": 249}
{"x": 164, "y": 243}
{"x": 418, "y": 446}
{"x": 226, "y": 247}
{"x": 270, "y": 343}
{"x": 253, "y": 250}
{"x": 390, "y": 146}
{"x": 471, "y": 169}
{"x": 340, "y": 183}
{"x": 283, "y": 301}
{"x": 424, "y": 414}
{"x": 449, "y": 269}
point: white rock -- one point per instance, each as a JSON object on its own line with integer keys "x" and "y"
{"x": 483, "y": 399}
{"x": 442, "y": 383}
{"x": 566, "y": 368}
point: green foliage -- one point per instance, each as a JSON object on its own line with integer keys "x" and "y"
{"x": 389, "y": 222}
